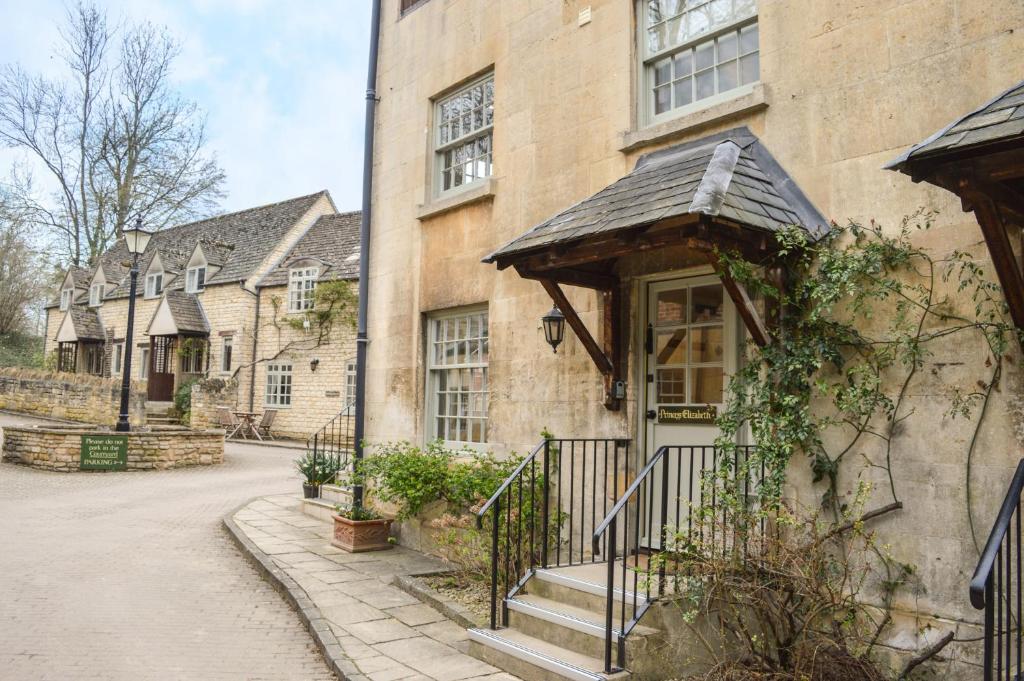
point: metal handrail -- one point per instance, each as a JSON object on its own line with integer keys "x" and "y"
{"x": 624, "y": 499}
{"x": 995, "y": 539}
{"x": 508, "y": 482}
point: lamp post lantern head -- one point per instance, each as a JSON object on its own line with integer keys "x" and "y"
{"x": 136, "y": 238}
{"x": 554, "y": 327}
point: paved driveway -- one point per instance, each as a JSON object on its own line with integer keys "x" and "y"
{"x": 130, "y": 576}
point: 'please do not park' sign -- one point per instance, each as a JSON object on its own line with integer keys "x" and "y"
{"x": 104, "y": 453}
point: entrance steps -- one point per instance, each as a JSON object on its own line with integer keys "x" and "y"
{"x": 161, "y": 414}
{"x": 322, "y": 508}
{"x": 557, "y": 626}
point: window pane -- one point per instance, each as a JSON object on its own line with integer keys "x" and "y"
{"x": 727, "y": 77}
{"x": 683, "y": 64}
{"x": 748, "y": 39}
{"x": 727, "y": 47}
{"x": 707, "y": 385}
{"x": 707, "y": 304}
{"x": 662, "y": 72}
{"x": 705, "y": 84}
{"x": 671, "y": 307}
{"x": 750, "y": 69}
{"x": 705, "y": 55}
{"x": 662, "y": 99}
{"x": 671, "y": 347}
{"x": 707, "y": 344}
{"x": 671, "y": 385}
{"x": 683, "y": 91}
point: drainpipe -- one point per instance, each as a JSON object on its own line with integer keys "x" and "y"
{"x": 255, "y": 345}
{"x": 364, "y": 243}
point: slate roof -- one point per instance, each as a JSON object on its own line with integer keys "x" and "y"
{"x": 86, "y": 323}
{"x": 729, "y": 174}
{"x": 242, "y": 240}
{"x": 187, "y": 312}
{"x": 334, "y": 241}
{"x": 998, "y": 120}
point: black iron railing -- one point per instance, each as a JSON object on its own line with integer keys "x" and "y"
{"x": 332, "y": 445}
{"x": 996, "y": 588}
{"x": 669, "y": 500}
{"x": 543, "y": 514}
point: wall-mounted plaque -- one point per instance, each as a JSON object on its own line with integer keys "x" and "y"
{"x": 332, "y": 393}
{"x": 104, "y": 453}
{"x": 689, "y": 413}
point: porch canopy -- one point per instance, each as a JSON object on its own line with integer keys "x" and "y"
{"x": 724, "y": 191}
{"x": 80, "y": 325}
{"x": 178, "y": 313}
{"x": 980, "y": 158}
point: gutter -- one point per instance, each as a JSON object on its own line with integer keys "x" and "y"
{"x": 362, "y": 338}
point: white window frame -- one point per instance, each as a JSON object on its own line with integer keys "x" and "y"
{"x": 279, "y": 384}
{"x": 117, "y": 359}
{"x": 193, "y": 359}
{"x": 302, "y": 288}
{"x": 96, "y": 295}
{"x": 195, "y": 279}
{"x": 227, "y": 346}
{"x": 445, "y": 143}
{"x": 350, "y": 381}
{"x": 143, "y": 363}
{"x": 154, "y": 284}
{"x": 67, "y": 296}
{"x": 444, "y": 333}
{"x": 746, "y": 20}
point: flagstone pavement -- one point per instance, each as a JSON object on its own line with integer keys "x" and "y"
{"x": 384, "y": 632}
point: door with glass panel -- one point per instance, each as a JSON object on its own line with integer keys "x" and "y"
{"x": 691, "y": 348}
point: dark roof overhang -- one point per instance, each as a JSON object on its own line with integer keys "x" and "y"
{"x": 980, "y": 158}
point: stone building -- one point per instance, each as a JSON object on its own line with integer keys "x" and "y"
{"x": 593, "y": 152}
{"x": 229, "y": 297}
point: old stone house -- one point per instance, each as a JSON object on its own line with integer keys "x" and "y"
{"x": 592, "y": 153}
{"x": 231, "y": 297}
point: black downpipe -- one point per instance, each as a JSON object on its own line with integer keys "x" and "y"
{"x": 255, "y": 348}
{"x": 364, "y": 243}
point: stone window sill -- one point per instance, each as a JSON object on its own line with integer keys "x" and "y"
{"x": 745, "y": 102}
{"x": 483, "y": 192}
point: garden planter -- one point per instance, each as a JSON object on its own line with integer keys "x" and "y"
{"x": 356, "y": 536}
{"x": 310, "y": 491}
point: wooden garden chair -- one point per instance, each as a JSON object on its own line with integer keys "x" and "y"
{"x": 228, "y": 421}
{"x": 266, "y": 422}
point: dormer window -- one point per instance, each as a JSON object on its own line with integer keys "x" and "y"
{"x": 66, "y": 297}
{"x": 195, "y": 279}
{"x": 154, "y": 284}
{"x": 302, "y": 288}
{"x": 96, "y": 295}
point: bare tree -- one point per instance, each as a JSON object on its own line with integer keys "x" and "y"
{"x": 114, "y": 138}
{"x": 23, "y": 279}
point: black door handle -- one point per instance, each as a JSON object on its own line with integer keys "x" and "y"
{"x": 651, "y": 414}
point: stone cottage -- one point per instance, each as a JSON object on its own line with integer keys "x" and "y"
{"x": 232, "y": 297}
{"x": 593, "y": 154}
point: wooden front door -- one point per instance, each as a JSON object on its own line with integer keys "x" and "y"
{"x": 160, "y": 384}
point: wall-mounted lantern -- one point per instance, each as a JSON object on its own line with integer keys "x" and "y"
{"x": 554, "y": 327}
{"x": 313, "y": 364}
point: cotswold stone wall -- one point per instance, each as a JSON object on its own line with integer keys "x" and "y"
{"x": 74, "y": 397}
{"x": 59, "y": 448}
{"x": 207, "y": 397}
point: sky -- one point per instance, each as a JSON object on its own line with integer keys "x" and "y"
{"x": 282, "y": 83}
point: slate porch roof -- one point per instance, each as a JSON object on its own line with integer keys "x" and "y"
{"x": 729, "y": 175}
{"x": 86, "y": 323}
{"x": 242, "y": 240}
{"x": 186, "y": 311}
{"x": 334, "y": 241}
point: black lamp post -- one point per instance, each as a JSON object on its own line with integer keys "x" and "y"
{"x": 554, "y": 327}
{"x": 136, "y": 239}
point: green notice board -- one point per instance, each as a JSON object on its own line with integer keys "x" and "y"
{"x": 104, "y": 453}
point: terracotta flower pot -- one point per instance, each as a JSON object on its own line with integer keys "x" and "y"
{"x": 356, "y": 536}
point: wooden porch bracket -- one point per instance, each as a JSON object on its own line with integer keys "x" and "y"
{"x": 606, "y": 359}
{"x": 993, "y": 228}
{"x": 744, "y": 305}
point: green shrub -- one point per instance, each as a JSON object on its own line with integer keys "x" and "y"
{"x": 183, "y": 398}
{"x": 412, "y": 477}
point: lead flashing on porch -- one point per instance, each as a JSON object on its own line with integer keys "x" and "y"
{"x": 751, "y": 188}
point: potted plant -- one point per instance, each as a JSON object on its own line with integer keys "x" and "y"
{"x": 310, "y": 470}
{"x": 360, "y": 529}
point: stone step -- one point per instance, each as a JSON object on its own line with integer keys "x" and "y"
{"x": 583, "y": 586}
{"x": 319, "y": 509}
{"x": 336, "y": 494}
{"x": 162, "y": 420}
{"x": 577, "y": 629}
{"x": 532, "y": 658}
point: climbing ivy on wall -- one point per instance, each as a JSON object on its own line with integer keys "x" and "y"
{"x": 861, "y": 314}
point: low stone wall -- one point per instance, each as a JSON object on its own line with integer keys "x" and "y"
{"x": 207, "y": 397}
{"x": 75, "y": 397}
{"x": 57, "y": 448}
